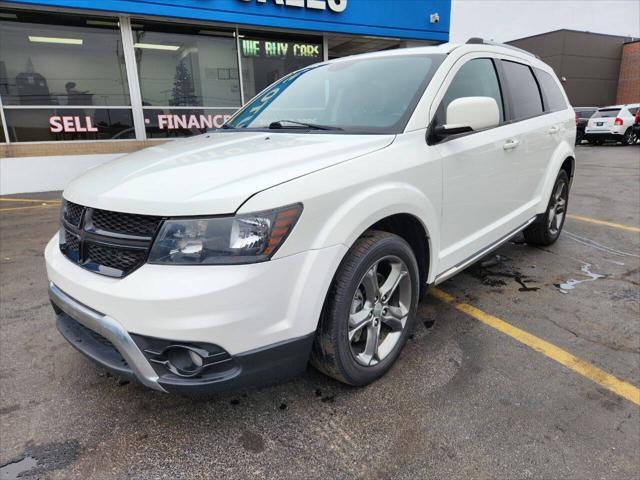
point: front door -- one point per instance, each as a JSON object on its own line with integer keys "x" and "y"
{"x": 480, "y": 188}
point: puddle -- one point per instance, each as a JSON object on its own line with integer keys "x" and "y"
{"x": 572, "y": 282}
{"x": 12, "y": 471}
{"x": 494, "y": 278}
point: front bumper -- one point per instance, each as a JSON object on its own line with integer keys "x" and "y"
{"x": 263, "y": 316}
{"x": 104, "y": 341}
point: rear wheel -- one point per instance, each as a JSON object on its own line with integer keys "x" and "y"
{"x": 546, "y": 229}
{"x": 629, "y": 137}
{"x": 369, "y": 311}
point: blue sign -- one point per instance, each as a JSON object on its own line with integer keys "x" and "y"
{"x": 405, "y": 19}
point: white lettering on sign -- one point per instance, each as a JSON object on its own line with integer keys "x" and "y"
{"x": 337, "y": 6}
{"x": 200, "y": 122}
{"x": 71, "y": 124}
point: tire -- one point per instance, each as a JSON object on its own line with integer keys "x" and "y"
{"x": 352, "y": 318}
{"x": 547, "y": 228}
{"x": 629, "y": 138}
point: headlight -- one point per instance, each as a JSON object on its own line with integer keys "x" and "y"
{"x": 247, "y": 238}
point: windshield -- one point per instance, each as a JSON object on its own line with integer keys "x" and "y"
{"x": 608, "y": 113}
{"x": 366, "y": 95}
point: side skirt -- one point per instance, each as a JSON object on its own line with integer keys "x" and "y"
{"x": 477, "y": 256}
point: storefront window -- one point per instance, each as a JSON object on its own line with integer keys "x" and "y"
{"x": 186, "y": 66}
{"x": 48, "y": 59}
{"x": 51, "y": 124}
{"x": 57, "y": 75}
{"x": 267, "y": 58}
{"x": 63, "y": 77}
{"x": 183, "y": 122}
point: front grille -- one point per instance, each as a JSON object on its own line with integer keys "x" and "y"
{"x": 73, "y": 213}
{"x": 106, "y": 242}
{"x": 118, "y": 258}
{"x": 127, "y": 223}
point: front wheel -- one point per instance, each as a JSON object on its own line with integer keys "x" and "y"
{"x": 546, "y": 229}
{"x": 369, "y": 311}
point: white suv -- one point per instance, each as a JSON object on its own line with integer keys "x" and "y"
{"x": 309, "y": 226}
{"x": 612, "y": 124}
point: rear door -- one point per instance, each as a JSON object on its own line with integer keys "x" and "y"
{"x": 603, "y": 120}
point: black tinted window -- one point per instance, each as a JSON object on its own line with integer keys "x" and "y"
{"x": 633, "y": 111}
{"x": 525, "y": 95}
{"x": 607, "y": 113}
{"x": 586, "y": 113}
{"x": 476, "y": 78}
{"x": 553, "y": 98}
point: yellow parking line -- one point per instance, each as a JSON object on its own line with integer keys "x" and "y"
{"x": 602, "y": 378}
{"x": 10, "y": 209}
{"x": 30, "y": 200}
{"x": 604, "y": 222}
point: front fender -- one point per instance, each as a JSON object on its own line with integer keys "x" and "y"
{"x": 359, "y": 212}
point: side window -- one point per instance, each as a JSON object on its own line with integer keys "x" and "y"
{"x": 553, "y": 98}
{"x": 476, "y": 78}
{"x": 525, "y": 96}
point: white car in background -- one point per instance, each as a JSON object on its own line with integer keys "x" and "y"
{"x": 612, "y": 124}
{"x": 308, "y": 227}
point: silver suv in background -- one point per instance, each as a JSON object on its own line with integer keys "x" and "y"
{"x": 612, "y": 124}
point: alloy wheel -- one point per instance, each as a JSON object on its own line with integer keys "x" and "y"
{"x": 379, "y": 310}
{"x": 558, "y": 207}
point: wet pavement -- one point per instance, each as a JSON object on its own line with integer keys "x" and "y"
{"x": 463, "y": 401}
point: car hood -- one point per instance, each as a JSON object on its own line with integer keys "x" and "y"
{"x": 212, "y": 173}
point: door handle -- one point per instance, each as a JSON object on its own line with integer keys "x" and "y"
{"x": 553, "y": 130}
{"x": 511, "y": 144}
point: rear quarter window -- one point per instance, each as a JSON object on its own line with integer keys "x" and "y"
{"x": 524, "y": 94}
{"x": 552, "y": 95}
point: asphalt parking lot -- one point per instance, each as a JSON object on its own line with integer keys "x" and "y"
{"x": 470, "y": 397}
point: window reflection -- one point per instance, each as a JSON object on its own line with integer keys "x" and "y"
{"x": 266, "y": 59}
{"x": 186, "y": 66}
{"x": 48, "y": 59}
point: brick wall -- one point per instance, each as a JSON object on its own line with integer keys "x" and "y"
{"x": 629, "y": 79}
{"x": 45, "y": 149}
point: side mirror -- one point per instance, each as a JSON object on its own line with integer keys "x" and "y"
{"x": 468, "y": 114}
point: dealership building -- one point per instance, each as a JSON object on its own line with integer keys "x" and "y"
{"x": 85, "y": 81}
{"x": 596, "y": 69}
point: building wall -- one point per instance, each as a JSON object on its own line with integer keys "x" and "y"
{"x": 629, "y": 79}
{"x": 589, "y": 62}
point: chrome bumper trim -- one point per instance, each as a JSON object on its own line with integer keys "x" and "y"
{"x": 111, "y": 330}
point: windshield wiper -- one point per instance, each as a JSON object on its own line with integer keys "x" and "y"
{"x": 279, "y": 124}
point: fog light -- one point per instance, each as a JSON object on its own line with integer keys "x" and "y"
{"x": 184, "y": 361}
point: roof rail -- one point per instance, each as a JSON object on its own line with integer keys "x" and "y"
{"x": 482, "y": 41}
